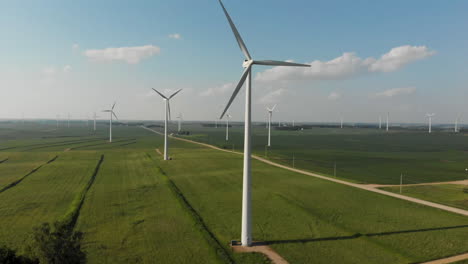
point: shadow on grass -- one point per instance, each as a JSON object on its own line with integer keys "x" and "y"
{"x": 357, "y": 235}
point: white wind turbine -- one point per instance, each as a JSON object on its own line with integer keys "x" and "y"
{"x": 246, "y": 237}
{"x": 380, "y": 122}
{"x": 167, "y": 116}
{"x": 388, "y": 113}
{"x": 270, "y": 114}
{"x": 179, "y": 116}
{"x": 111, "y": 113}
{"x": 341, "y": 121}
{"x": 430, "y": 121}
{"x": 457, "y": 120}
{"x": 228, "y": 116}
{"x": 95, "y": 116}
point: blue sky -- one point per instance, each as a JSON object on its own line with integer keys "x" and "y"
{"x": 46, "y": 68}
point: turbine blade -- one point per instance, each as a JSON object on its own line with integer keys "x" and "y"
{"x": 279, "y": 63}
{"x": 160, "y": 93}
{"x": 175, "y": 93}
{"x": 236, "y": 91}
{"x": 236, "y": 34}
{"x": 106, "y": 111}
{"x": 273, "y": 108}
{"x": 115, "y": 115}
{"x": 113, "y": 105}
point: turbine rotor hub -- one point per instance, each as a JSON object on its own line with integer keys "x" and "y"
{"x": 247, "y": 63}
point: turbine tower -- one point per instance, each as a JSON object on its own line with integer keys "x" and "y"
{"x": 270, "y": 113}
{"x": 95, "y": 116}
{"x": 388, "y": 113}
{"x": 457, "y": 120}
{"x": 167, "y": 116}
{"x": 246, "y": 237}
{"x": 228, "y": 116}
{"x": 341, "y": 121}
{"x": 430, "y": 121}
{"x": 179, "y": 116}
{"x": 380, "y": 122}
{"x": 57, "y": 119}
{"x": 111, "y": 112}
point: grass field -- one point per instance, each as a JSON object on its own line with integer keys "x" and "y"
{"x": 360, "y": 155}
{"x": 307, "y": 219}
{"x": 133, "y": 214}
{"x": 44, "y": 196}
{"x": 448, "y": 194}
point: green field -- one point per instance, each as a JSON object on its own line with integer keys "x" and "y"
{"x": 361, "y": 155}
{"x": 141, "y": 209}
{"x": 448, "y": 194}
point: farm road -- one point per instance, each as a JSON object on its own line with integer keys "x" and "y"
{"x": 356, "y": 185}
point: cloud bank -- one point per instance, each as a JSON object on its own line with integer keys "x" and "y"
{"x": 130, "y": 55}
{"x": 348, "y": 65}
{"x": 396, "y": 92}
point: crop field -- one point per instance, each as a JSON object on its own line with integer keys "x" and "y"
{"x": 360, "y": 155}
{"x": 45, "y": 195}
{"x": 141, "y": 209}
{"x": 448, "y": 194}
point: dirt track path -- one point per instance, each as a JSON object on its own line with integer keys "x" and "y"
{"x": 463, "y": 182}
{"x": 366, "y": 187}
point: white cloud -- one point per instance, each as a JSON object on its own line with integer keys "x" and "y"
{"x": 67, "y": 68}
{"x": 348, "y": 65}
{"x": 130, "y": 55}
{"x": 218, "y": 90}
{"x": 396, "y": 92}
{"x": 398, "y": 57}
{"x": 175, "y": 36}
{"x": 273, "y": 96}
{"x": 75, "y": 47}
{"x": 49, "y": 71}
{"x": 334, "y": 96}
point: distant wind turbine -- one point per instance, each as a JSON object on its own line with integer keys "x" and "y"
{"x": 341, "y": 121}
{"x": 95, "y": 116}
{"x": 388, "y": 113}
{"x": 167, "y": 116}
{"x": 429, "y": 116}
{"x": 457, "y": 120}
{"x": 380, "y": 122}
{"x": 270, "y": 114}
{"x": 179, "y": 116}
{"x": 246, "y": 236}
{"x": 111, "y": 113}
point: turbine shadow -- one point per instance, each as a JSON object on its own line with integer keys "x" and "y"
{"x": 357, "y": 235}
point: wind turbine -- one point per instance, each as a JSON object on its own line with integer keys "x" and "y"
{"x": 111, "y": 113}
{"x": 228, "y": 116}
{"x": 388, "y": 113}
{"x": 456, "y": 123}
{"x": 380, "y": 122}
{"x": 270, "y": 113}
{"x": 246, "y": 237}
{"x": 95, "y": 116}
{"x": 341, "y": 120}
{"x": 167, "y": 115}
{"x": 430, "y": 121}
{"x": 179, "y": 116}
